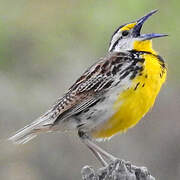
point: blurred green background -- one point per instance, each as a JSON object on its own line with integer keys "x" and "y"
{"x": 44, "y": 47}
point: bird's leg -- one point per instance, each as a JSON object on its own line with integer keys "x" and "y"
{"x": 98, "y": 156}
{"x": 100, "y": 150}
{"x": 97, "y": 151}
{"x": 83, "y": 136}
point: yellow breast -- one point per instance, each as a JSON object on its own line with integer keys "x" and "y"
{"x": 133, "y": 103}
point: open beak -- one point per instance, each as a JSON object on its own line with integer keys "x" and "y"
{"x": 138, "y": 26}
{"x": 151, "y": 36}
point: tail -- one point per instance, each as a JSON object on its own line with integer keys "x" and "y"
{"x": 30, "y": 131}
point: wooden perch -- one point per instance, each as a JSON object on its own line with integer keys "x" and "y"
{"x": 118, "y": 170}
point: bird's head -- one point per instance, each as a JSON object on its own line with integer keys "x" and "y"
{"x": 128, "y": 37}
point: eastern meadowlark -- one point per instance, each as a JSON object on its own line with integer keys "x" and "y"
{"x": 110, "y": 96}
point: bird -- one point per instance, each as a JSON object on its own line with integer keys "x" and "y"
{"x": 111, "y": 96}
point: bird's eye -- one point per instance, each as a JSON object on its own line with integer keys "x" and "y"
{"x": 125, "y": 33}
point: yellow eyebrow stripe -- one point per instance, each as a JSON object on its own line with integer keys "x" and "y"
{"x": 128, "y": 27}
